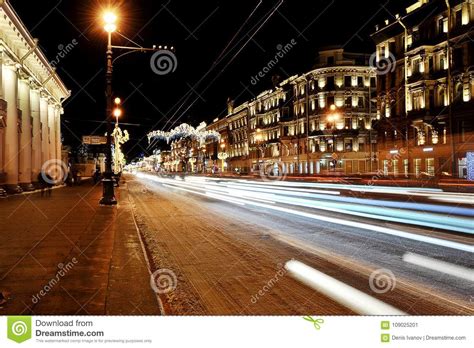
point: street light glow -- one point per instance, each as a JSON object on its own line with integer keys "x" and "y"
{"x": 117, "y": 112}
{"x": 110, "y": 19}
{"x": 110, "y": 27}
{"x": 117, "y": 101}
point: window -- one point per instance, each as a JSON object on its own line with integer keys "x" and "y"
{"x": 395, "y": 167}
{"x": 430, "y": 168}
{"x": 330, "y": 82}
{"x": 330, "y": 60}
{"x": 415, "y": 65}
{"x": 330, "y": 100}
{"x": 347, "y": 81}
{"x": 348, "y": 145}
{"x": 458, "y": 18}
{"x": 348, "y": 102}
{"x": 443, "y": 25}
{"x": 405, "y": 167}
{"x": 418, "y": 100}
{"x": 417, "y": 167}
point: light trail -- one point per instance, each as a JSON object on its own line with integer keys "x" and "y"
{"x": 342, "y": 293}
{"x": 425, "y": 219}
{"x": 337, "y": 221}
{"x": 439, "y": 266}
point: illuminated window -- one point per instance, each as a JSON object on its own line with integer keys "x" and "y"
{"x": 434, "y": 137}
{"x": 443, "y": 25}
{"x": 430, "y": 167}
{"x": 417, "y": 167}
{"x": 421, "y": 139}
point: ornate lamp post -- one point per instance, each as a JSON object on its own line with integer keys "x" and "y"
{"x": 192, "y": 160}
{"x": 108, "y": 195}
{"x": 110, "y": 26}
{"x": 222, "y": 155}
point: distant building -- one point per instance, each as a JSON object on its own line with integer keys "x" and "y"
{"x": 316, "y": 123}
{"x": 31, "y": 94}
{"x": 425, "y": 103}
{"x": 334, "y": 105}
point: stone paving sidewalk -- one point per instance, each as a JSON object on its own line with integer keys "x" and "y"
{"x": 65, "y": 254}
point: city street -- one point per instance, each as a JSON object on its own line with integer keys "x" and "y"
{"x": 228, "y": 241}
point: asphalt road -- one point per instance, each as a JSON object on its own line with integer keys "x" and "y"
{"x": 228, "y": 243}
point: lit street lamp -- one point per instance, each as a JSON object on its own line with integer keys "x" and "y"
{"x": 110, "y": 26}
{"x": 222, "y": 155}
{"x": 108, "y": 195}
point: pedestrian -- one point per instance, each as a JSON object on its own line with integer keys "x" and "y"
{"x": 96, "y": 176}
{"x": 69, "y": 176}
{"x": 46, "y": 183}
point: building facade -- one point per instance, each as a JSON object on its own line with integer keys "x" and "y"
{"x": 317, "y": 123}
{"x": 31, "y": 95}
{"x": 425, "y": 100}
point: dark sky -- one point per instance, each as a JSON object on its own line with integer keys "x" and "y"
{"x": 200, "y": 30}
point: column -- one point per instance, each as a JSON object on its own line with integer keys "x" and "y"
{"x": 58, "y": 133}
{"x": 44, "y": 129}
{"x": 36, "y": 148}
{"x": 52, "y": 131}
{"x": 2, "y": 92}
{"x": 3, "y": 113}
{"x": 10, "y": 80}
{"x": 24, "y": 176}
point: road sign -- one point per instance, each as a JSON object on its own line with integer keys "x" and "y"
{"x": 94, "y": 140}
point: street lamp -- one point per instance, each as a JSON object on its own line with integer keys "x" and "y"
{"x": 117, "y": 111}
{"x": 110, "y": 19}
{"x": 108, "y": 195}
{"x": 222, "y": 155}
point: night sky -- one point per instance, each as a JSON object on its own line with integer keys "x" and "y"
{"x": 199, "y": 30}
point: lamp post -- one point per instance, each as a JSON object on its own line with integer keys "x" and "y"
{"x": 108, "y": 195}
{"x": 222, "y": 156}
{"x": 203, "y": 159}
{"x": 110, "y": 26}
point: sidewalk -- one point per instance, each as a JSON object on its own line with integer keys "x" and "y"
{"x": 65, "y": 254}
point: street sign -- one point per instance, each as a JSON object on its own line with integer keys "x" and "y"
{"x": 94, "y": 140}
